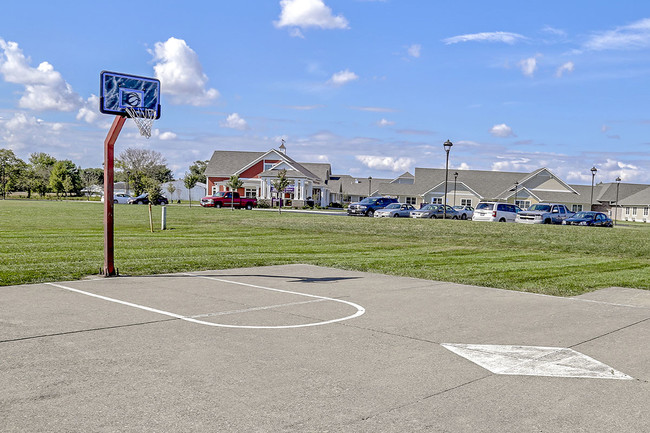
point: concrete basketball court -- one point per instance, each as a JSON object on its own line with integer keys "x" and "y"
{"x": 312, "y": 349}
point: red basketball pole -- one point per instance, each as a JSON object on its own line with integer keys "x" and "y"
{"x": 109, "y": 153}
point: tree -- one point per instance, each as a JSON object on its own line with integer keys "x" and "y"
{"x": 65, "y": 178}
{"x": 143, "y": 164}
{"x": 11, "y": 171}
{"x": 90, "y": 178}
{"x": 153, "y": 188}
{"x": 198, "y": 168}
{"x": 41, "y": 167}
{"x": 234, "y": 184}
{"x": 171, "y": 189}
{"x": 280, "y": 183}
{"x": 190, "y": 181}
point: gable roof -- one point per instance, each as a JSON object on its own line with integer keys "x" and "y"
{"x": 224, "y": 163}
{"x": 641, "y": 198}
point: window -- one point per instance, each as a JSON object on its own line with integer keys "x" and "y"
{"x": 634, "y": 210}
{"x": 251, "y": 192}
{"x": 410, "y": 200}
{"x": 645, "y": 211}
{"x": 436, "y": 200}
{"x": 576, "y": 208}
{"x": 627, "y": 210}
{"x": 465, "y": 201}
{"x": 215, "y": 189}
{"x": 268, "y": 165}
{"x": 524, "y": 204}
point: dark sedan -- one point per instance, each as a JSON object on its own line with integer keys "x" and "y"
{"x": 144, "y": 199}
{"x": 589, "y": 219}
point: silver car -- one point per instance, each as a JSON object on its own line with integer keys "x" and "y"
{"x": 395, "y": 210}
{"x": 466, "y": 212}
{"x": 435, "y": 211}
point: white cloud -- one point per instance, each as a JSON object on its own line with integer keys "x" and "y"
{"x": 233, "y": 121}
{"x": 632, "y": 36}
{"x": 385, "y": 162}
{"x": 181, "y": 74}
{"x": 374, "y": 109}
{"x": 308, "y": 13}
{"x": 343, "y": 77}
{"x": 521, "y": 164}
{"x": 502, "y": 130}
{"x": 567, "y": 67}
{"x": 384, "y": 122}
{"x": 45, "y": 88}
{"x": 167, "y": 135}
{"x": 554, "y": 31}
{"x": 529, "y": 66}
{"x": 506, "y": 37}
{"x": 414, "y": 50}
{"x": 89, "y": 112}
{"x": 463, "y": 166}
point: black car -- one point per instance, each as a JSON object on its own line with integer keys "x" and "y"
{"x": 144, "y": 199}
{"x": 589, "y": 219}
{"x": 369, "y": 205}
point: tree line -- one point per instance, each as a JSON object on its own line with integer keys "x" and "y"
{"x": 143, "y": 170}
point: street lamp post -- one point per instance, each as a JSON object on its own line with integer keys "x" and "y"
{"x": 128, "y": 174}
{"x": 618, "y": 183}
{"x": 369, "y": 185}
{"x": 447, "y": 145}
{"x": 516, "y": 185}
{"x": 455, "y": 177}
{"x": 593, "y": 177}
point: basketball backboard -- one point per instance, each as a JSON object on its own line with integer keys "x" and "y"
{"x": 121, "y": 91}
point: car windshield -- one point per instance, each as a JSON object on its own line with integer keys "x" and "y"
{"x": 540, "y": 207}
{"x": 484, "y": 206}
{"x": 393, "y": 206}
{"x": 369, "y": 200}
{"x": 220, "y": 194}
{"x": 584, "y": 216}
{"x": 429, "y": 207}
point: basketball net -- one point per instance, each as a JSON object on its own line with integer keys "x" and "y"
{"x": 143, "y": 118}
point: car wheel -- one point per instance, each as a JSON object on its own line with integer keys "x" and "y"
{"x": 370, "y": 213}
{"x": 395, "y": 215}
{"x": 249, "y": 206}
{"x": 434, "y": 217}
{"x": 547, "y": 221}
{"x": 463, "y": 217}
{"x": 455, "y": 217}
{"x": 502, "y": 220}
{"x": 115, "y": 201}
{"x": 218, "y": 205}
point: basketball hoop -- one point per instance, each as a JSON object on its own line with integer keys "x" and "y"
{"x": 143, "y": 118}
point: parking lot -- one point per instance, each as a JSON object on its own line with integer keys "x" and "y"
{"x": 306, "y": 348}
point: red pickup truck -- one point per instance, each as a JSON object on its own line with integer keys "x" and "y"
{"x": 225, "y": 199}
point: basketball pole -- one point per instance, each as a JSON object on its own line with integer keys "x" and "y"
{"x": 109, "y": 154}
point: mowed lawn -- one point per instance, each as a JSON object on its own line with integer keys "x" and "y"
{"x": 57, "y": 241}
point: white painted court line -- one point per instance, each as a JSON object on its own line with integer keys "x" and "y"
{"x": 535, "y": 361}
{"x": 246, "y": 310}
{"x": 360, "y": 309}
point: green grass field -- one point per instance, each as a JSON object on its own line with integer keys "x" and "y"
{"x": 56, "y": 241}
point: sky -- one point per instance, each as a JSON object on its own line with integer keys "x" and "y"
{"x": 372, "y": 87}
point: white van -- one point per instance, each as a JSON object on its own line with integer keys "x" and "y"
{"x": 495, "y": 211}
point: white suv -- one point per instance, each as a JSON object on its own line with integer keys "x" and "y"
{"x": 495, "y": 211}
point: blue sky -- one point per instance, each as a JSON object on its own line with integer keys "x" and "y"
{"x": 372, "y": 87}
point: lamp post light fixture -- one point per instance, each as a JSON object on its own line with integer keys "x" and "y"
{"x": 447, "y": 145}
{"x": 618, "y": 183}
{"x": 369, "y": 185}
{"x": 455, "y": 177}
{"x": 593, "y": 176}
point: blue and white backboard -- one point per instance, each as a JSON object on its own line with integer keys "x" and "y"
{"x": 119, "y": 91}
